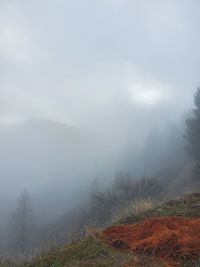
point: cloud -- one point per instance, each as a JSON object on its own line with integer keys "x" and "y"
{"x": 66, "y": 60}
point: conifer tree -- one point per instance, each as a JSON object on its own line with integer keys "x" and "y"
{"x": 22, "y": 223}
{"x": 193, "y": 133}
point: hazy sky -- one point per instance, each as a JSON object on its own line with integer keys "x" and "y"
{"x": 81, "y": 61}
{"x": 112, "y": 69}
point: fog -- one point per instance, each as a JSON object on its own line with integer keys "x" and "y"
{"x": 89, "y": 89}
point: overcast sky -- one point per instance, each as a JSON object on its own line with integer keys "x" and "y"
{"x": 113, "y": 70}
{"x": 79, "y": 61}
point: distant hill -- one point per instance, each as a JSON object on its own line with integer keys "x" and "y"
{"x": 47, "y": 158}
{"x": 53, "y": 161}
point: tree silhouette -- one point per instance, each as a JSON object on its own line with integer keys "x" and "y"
{"x": 22, "y": 223}
{"x": 193, "y": 133}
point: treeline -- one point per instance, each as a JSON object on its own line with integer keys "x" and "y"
{"x": 124, "y": 189}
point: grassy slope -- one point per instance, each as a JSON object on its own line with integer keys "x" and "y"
{"x": 90, "y": 252}
{"x": 188, "y": 206}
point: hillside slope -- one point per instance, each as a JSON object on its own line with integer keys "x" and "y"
{"x": 94, "y": 251}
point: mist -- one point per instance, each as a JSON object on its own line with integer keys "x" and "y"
{"x": 89, "y": 89}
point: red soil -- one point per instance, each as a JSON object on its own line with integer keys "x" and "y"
{"x": 169, "y": 238}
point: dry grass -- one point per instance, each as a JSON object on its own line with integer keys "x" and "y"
{"x": 134, "y": 208}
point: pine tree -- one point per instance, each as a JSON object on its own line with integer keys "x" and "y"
{"x": 193, "y": 133}
{"x": 22, "y": 223}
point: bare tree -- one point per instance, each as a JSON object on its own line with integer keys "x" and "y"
{"x": 124, "y": 185}
{"x": 125, "y": 188}
{"x": 22, "y": 223}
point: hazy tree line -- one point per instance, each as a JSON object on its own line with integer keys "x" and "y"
{"x": 124, "y": 189}
{"x": 100, "y": 207}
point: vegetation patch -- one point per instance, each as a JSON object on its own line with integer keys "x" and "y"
{"x": 91, "y": 251}
{"x": 88, "y": 252}
{"x": 188, "y": 206}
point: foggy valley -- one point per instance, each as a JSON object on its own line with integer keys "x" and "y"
{"x": 98, "y": 108}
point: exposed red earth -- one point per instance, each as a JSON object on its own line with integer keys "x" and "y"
{"x": 170, "y": 239}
